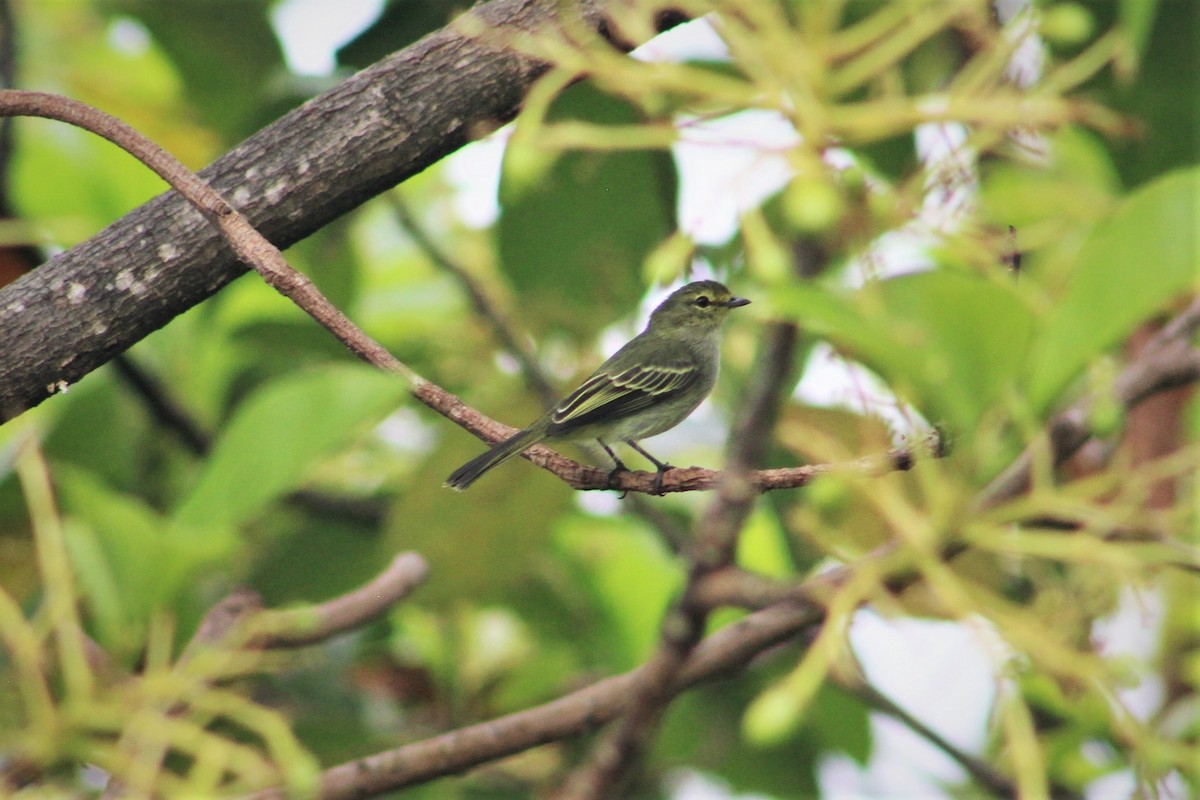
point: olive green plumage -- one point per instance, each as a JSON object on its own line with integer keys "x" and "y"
{"x": 648, "y": 386}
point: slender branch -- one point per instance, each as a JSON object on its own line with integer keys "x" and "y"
{"x": 163, "y": 406}
{"x": 512, "y": 342}
{"x": 984, "y": 773}
{"x": 241, "y": 619}
{"x": 680, "y": 479}
{"x": 304, "y": 626}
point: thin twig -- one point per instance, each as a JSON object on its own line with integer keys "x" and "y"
{"x": 305, "y": 626}
{"x": 240, "y": 618}
{"x": 163, "y": 406}
{"x": 512, "y": 342}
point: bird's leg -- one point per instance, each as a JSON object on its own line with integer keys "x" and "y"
{"x": 620, "y": 465}
{"x": 661, "y": 466}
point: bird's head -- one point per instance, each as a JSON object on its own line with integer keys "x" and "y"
{"x": 702, "y": 305}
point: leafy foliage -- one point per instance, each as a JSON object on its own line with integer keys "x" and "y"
{"x": 532, "y": 590}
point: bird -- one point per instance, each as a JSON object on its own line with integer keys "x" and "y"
{"x": 647, "y": 387}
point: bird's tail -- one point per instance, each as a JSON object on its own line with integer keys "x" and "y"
{"x": 469, "y": 472}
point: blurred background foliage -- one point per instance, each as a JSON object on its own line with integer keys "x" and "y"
{"x": 302, "y": 473}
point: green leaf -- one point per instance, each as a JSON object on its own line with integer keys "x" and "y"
{"x": 762, "y": 547}
{"x": 952, "y": 343}
{"x": 226, "y": 54}
{"x": 131, "y": 561}
{"x": 1077, "y": 186}
{"x": 281, "y": 433}
{"x": 631, "y": 578}
{"x": 75, "y": 182}
{"x": 1134, "y": 263}
{"x": 573, "y": 241}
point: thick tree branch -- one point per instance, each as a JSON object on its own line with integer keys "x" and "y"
{"x": 364, "y": 136}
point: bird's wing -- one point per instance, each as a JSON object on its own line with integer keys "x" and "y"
{"x": 607, "y": 396}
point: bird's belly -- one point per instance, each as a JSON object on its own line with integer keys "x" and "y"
{"x": 654, "y": 421}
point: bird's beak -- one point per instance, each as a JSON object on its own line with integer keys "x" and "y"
{"x": 737, "y": 302}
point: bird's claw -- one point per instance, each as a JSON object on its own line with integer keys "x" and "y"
{"x": 612, "y": 477}
{"x": 656, "y": 490}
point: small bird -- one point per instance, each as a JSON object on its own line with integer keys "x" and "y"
{"x": 648, "y": 386}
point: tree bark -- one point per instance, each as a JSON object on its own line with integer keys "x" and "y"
{"x": 364, "y": 136}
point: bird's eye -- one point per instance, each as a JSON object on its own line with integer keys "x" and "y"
{"x": 701, "y": 302}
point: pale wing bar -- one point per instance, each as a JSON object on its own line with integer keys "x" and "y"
{"x": 635, "y": 388}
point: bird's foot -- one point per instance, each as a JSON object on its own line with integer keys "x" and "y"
{"x": 612, "y": 476}
{"x": 658, "y": 479}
